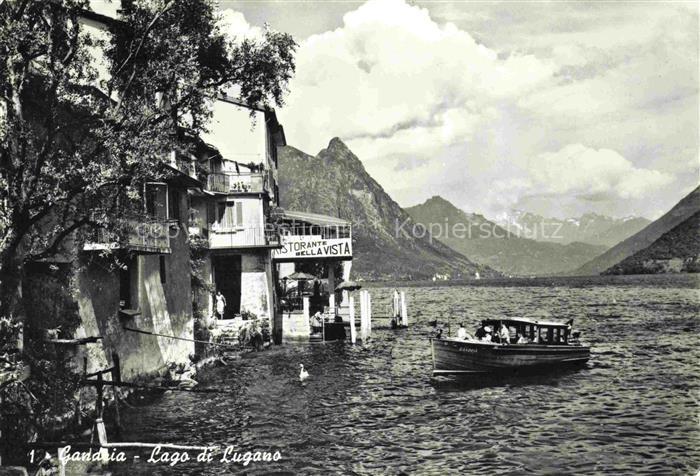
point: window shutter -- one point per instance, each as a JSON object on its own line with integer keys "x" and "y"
{"x": 239, "y": 213}
{"x": 220, "y": 216}
{"x": 211, "y": 212}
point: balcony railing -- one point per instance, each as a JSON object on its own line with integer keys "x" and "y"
{"x": 228, "y": 182}
{"x": 244, "y": 237}
{"x": 147, "y": 235}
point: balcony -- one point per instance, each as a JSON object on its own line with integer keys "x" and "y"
{"x": 229, "y": 182}
{"x": 147, "y": 235}
{"x": 244, "y": 237}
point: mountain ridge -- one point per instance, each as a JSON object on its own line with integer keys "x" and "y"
{"x": 676, "y": 251}
{"x": 335, "y": 182}
{"x": 680, "y": 212}
{"x": 592, "y": 228}
{"x": 486, "y": 242}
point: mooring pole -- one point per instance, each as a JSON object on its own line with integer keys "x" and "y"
{"x": 368, "y": 312}
{"x": 363, "y": 318}
{"x": 404, "y": 313}
{"x": 353, "y": 331}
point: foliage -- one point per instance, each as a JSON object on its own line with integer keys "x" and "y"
{"x": 76, "y": 139}
{"x": 10, "y": 332}
{"x": 247, "y": 315}
{"x": 320, "y": 269}
{"x": 32, "y": 407}
{"x": 73, "y": 139}
{"x": 199, "y": 253}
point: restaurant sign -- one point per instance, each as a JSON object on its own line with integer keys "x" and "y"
{"x": 309, "y": 246}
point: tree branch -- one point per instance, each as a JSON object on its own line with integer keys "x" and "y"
{"x": 133, "y": 55}
{"x": 53, "y": 248}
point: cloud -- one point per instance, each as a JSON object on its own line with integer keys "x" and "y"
{"x": 235, "y": 25}
{"x": 392, "y": 72}
{"x": 592, "y": 174}
{"x": 469, "y": 100}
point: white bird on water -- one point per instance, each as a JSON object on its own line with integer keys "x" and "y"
{"x": 303, "y": 374}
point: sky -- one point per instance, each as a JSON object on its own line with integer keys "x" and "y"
{"x": 559, "y": 108}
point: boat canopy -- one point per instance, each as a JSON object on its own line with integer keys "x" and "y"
{"x": 522, "y": 320}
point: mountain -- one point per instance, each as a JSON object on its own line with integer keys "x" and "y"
{"x": 678, "y": 250}
{"x": 335, "y": 183}
{"x": 683, "y": 210}
{"x": 588, "y": 228}
{"x": 486, "y": 242}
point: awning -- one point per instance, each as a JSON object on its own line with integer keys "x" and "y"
{"x": 314, "y": 218}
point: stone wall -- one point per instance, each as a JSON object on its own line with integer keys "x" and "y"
{"x": 98, "y": 300}
{"x": 81, "y": 299}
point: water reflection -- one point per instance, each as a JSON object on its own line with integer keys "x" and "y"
{"x": 551, "y": 377}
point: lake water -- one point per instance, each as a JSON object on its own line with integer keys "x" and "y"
{"x": 375, "y": 409}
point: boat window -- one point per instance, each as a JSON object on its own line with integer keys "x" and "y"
{"x": 527, "y": 331}
{"x": 561, "y": 335}
{"x": 546, "y": 335}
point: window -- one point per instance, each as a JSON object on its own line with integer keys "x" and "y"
{"x": 229, "y": 215}
{"x": 162, "y": 269}
{"x": 155, "y": 194}
{"x": 173, "y": 204}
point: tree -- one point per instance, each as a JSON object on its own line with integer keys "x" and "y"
{"x": 70, "y": 138}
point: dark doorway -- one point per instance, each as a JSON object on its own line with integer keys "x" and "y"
{"x": 227, "y": 278}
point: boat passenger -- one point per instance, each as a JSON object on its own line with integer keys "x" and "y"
{"x": 480, "y": 332}
{"x": 521, "y": 339}
{"x": 504, "y": 334}
{"x": 462, "y": 332}
{"x": 488, "y": 337}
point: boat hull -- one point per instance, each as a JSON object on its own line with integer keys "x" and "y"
{"x": 451, "y": 356}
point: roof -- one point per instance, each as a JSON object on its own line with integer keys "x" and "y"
{"x": 524, "y": 320}
{"x": 181, "y": 178}
{"x": 314, "y": 218}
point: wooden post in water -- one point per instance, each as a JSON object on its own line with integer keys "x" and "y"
{"x": 404, "y": 314}
{"x": 353, "y": 331}
{"x": 363, "y": 313}
{"x": 395, "y": 304}
{"x": 365, "y": 325}
{"x": 369, "y": 313}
